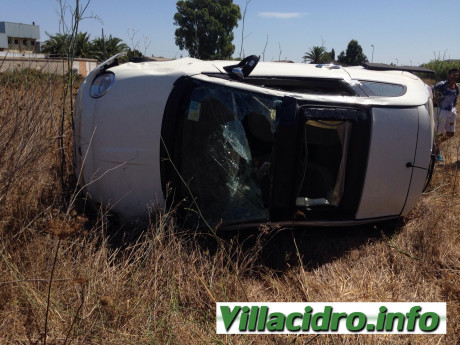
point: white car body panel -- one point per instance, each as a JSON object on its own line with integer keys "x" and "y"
{"x": 422, "y": 159}
{"x": 393, "y": 144}
{"x": 121, "y": 145}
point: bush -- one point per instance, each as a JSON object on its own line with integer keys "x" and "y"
{"x": 441, "y": 67}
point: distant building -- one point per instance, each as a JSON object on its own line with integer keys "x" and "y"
{"x": 17, "y": 37}
{"x": 20, "y": 48}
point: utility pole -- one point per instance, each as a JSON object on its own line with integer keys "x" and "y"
{"x": 372, "y": 60}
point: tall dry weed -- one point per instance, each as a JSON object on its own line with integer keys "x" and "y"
{"x": 29, "y": 104}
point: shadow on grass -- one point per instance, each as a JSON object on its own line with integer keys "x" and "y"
{"x": 315, "y": 246}
{"x": 455, "y": 165}
{"x": 273, "y": 248}
{"x": 318, "y": 246}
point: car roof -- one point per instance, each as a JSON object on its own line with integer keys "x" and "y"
{"x": 191, "y": 66}
{"x": 417, "y": 91}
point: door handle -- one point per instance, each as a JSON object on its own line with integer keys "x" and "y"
{"x": 411, "y": 165}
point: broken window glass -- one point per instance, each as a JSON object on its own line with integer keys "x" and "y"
{"x": 226, "y": 146}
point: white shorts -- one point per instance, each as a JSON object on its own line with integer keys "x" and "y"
{"x": 444, "y": 120}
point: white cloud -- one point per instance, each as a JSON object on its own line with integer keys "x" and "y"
{"x": 282, "y": 15}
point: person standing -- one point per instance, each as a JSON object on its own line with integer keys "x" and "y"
{"x": 445, "y": 94}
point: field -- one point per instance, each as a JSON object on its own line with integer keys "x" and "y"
{"x": 114, "y": 284}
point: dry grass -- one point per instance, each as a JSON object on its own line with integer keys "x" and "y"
{"x": 159, "y": 286}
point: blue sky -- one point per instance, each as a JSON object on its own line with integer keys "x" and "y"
{"x": 404, "y": 32}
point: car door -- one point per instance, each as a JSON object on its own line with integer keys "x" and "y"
{"x": 320, "y": 158}
{"x": 388, "y": 176}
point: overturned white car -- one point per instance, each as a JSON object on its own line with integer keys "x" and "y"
{"x": 239, "y": 145}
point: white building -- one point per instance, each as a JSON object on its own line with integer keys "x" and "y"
{"x": 17, "y": 37}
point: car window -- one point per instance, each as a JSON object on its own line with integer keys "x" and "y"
{"x": 382, "y": 89}
{"x": 226, "y": 145}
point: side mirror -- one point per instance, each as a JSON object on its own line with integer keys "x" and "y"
{"x": 244, "y": 68}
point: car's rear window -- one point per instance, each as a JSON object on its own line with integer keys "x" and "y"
{"x": 382, "y": 89}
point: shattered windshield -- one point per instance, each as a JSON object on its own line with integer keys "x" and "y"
{"x": 226, "y": 148}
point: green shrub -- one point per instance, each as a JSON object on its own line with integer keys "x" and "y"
{"x": 441, "y": 67}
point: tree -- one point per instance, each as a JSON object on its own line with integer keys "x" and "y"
{"x": 104, "y": 48}
{"x": 83, "y": 47}
{"x": 354, "y": 55}
{"x": 317, "y": 54}
{"x": 205, "y": 27}
{"x": 56, "y": 45}
{"x": 133, "y": 55}
{"x": 99, "y": 48}
{"x": 60, "y": 45}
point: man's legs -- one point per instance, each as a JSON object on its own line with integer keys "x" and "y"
{"x": 445, "y": 128}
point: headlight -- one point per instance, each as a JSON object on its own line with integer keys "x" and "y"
{"x": 102, "y": 84}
